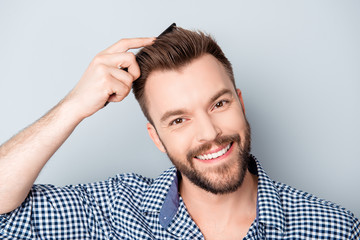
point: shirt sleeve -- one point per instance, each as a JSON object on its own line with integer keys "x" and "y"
{"x": 49, "y": 212}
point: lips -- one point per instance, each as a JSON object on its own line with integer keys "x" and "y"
{"x": 216, "y": 154}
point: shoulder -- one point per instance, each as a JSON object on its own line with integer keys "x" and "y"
{"x": 127, "y": 186}
{"x": 127, "y": 181}
{"x": 130, "y": 181}
{"x": 306, "y": 201}
{"x": 303, "y": 209}
{"x": 102, "y": 194}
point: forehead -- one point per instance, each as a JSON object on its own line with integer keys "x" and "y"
{"x": 189, "y": 87}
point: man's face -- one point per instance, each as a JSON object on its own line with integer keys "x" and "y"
{"x": 199, "y": 122}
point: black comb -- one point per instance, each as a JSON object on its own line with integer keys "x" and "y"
{"x": 169, "y": 29}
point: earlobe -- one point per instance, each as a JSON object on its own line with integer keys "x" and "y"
{"x": 155, "y": 137}
{"x": 241, "y": 99}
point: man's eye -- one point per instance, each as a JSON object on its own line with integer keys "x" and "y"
{"x": 177, "y": 121}
{"x": 221, "y": 103}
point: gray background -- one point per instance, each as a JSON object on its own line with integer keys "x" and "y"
{"x": 297, "y": 63}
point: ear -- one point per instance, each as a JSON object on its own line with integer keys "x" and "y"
{"x": 241, "y": 99}
{"x": 155, "y": 137}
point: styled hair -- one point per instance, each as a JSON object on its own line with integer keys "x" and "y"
{"x": 172, "y": 51}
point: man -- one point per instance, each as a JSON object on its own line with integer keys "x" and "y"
{"x": 217, "y": 189}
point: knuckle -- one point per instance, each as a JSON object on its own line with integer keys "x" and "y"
{"x": 137, "y": 74}
{"x": 127, "y": 58}
{"x": 98, "y": 59}
{"x": 101, "y": 69}
{"x": 127, "y": 80}
{"x": 135, "y": 71}
{"x": 123, "y": 41}
{"x": 126, "y": 88}
{"x": 107, "y": 78}
{"x": 131, "y": 56}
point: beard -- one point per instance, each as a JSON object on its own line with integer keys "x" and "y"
{"x": 221, "y": 179}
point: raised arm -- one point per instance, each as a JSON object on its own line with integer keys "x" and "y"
{"x": 24, "y": 155}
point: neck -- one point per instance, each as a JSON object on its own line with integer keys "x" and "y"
{"x": 221, "y": 209}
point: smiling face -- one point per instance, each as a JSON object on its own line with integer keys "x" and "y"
{"x": 199, "y": 122}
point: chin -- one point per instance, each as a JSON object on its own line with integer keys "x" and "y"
{"x": 221, "y": 179}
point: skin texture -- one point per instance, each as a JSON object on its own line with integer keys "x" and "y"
{"x": 192, "y": 108}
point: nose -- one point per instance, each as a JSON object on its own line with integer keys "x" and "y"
{"x": 206, "y": 129}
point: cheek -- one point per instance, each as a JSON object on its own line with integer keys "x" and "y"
{"x": 231, "y": 121}
{"x": 178, "y": 143}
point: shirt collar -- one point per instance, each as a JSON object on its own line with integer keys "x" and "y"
{"x": 162, "y": 196}
{"x": 159, "y": 190}
{"x": 269, "y": 202}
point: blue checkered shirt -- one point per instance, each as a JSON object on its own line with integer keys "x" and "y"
{"x": 130, "y": 206}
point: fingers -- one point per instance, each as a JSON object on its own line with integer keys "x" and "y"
{"x": 129, "y": 43}
{"x": 120, "y": 60}
{"x": 120, "y": 75}
{"x": 120, "y": 85}
{"x": 117, "y": 55}
{"x": 116, "y": 83}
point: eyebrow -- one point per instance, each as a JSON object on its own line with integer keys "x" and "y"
{"x": 219, "y": 94}
{"x": 168, "y": 114}
{"x": 176, "y": 112}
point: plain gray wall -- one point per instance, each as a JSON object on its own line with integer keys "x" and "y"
{"x": 297, "y": 63}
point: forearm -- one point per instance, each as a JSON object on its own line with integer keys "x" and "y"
{"x": 24, "y": 155}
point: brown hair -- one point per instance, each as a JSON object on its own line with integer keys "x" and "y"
{"x": 171, "y": 51}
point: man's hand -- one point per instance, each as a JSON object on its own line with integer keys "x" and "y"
{"x": 105, "y": 80}
{"x": 24, "y": 155}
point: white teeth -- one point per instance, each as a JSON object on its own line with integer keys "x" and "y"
{"x": 214, "y": 155}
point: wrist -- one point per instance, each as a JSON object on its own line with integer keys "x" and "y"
{"x": 69, "y": 112}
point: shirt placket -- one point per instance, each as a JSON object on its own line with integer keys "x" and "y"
{"x": 183, "y": 226}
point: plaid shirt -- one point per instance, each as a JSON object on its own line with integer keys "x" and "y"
{"x": 130, "y": 206}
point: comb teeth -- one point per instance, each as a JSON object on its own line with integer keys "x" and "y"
{"x": 169, "y": 29}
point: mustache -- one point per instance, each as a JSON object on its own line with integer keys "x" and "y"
{"x": 207, "y": 146}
